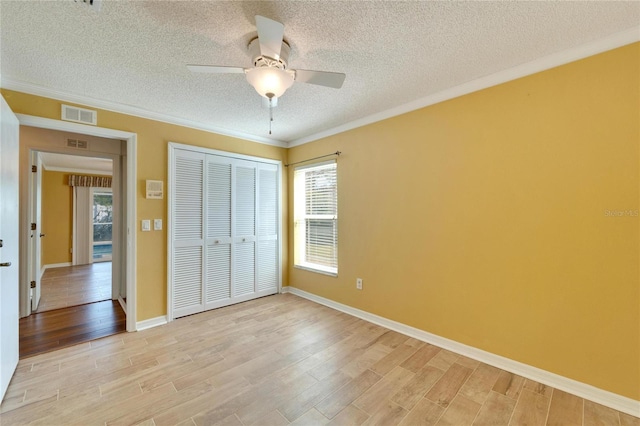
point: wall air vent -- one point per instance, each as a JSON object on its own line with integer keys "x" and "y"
{"x": 79, "y": 115}
{"x": 77, "y": 143}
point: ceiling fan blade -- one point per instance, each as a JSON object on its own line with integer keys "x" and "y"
{"x": 211, "y": 69}
{"x": 270, "y": 34}
{"x": 321, "y": 78}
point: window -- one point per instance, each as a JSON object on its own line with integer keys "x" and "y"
{"x": 102, "y": 224}
{"x": 315, "y": 201}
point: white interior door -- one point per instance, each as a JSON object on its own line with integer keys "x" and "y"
{"x": 244, "y": 229}
{"x": 36, "y": 234}
{"x": 187, "y": 254}
{"x": 268, "y": 218}
{"x": 9, "y": 288}
{"x": 218, "y": 230}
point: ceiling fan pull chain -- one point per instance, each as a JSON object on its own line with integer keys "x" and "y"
{"x": 270, "y": 111}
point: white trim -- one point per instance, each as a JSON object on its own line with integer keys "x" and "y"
{"x": 316, "y": 269}
{"x": 613, "y": 41}
{"x": 123, "y": 304}
{"x": 74, "y": 234}
{"x": 32, "y": 89}
{"x": 77, "y": 170}
{"x": 131, "y": 185}
{"x": 56, "y": 265}
{"x": 583, "y": 390}
{"x": 151, "y": 322}
{"x": 67, "y": 126}
{"x": 177, "y": 145}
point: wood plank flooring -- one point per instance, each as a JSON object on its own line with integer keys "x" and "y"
{"x": 75, "y": 285}
{"x": 46, "y": 331}
{"x": 275, "y": 361}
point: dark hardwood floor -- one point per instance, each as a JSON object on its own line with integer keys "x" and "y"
{"x": 46, "y": 331}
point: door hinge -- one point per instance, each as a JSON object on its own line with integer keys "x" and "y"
{"x": 34, "y": 169}
{"x": 33, "y": 226}
{"x": 33, "y": 284}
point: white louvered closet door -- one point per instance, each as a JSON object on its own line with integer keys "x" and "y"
{"x": 225, "y": 230}
{"x": 188, "y": 243}
{"x": 268, "y": 246}
{"x": 244, "y": 230}
{"x": 218, "y": 232}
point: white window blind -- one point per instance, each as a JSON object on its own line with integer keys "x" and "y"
{"x": 316, "y": 218}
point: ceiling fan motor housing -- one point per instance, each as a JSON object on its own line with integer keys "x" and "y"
{"x": 264, "y": 61}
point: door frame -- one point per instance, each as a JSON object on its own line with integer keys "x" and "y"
{"x": 117, "y": 260}
{"x": 35, "y": 216}
{"x": 130, "y": 225}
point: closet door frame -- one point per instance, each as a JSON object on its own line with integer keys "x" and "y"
{"x": 172, "y": 148}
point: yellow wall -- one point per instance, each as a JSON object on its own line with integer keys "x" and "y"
{"x": 480, "y": 219}
{"x": 57, "y": 217}
{"x": 483, "y": 219}
{"x": 152, "y": 140}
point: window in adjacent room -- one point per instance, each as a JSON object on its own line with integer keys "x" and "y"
{"x": 102, "y": 224}
{"x": 316, "y": 218}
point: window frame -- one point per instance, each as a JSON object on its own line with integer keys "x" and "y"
{"x": 300, "y": 217}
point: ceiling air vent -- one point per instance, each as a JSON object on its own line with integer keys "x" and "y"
{"x": 77, "y": 143}
{"x": 79, "y": 115}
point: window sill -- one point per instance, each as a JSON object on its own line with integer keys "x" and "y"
{"x": 316, "y": 270}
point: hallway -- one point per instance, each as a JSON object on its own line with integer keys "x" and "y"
{"x": 75, "y": 307}
{"x": 47, "y": 331}
{"x": 75, "y": 285}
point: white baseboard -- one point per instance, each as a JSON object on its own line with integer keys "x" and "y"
{"x": 151, "y": 322}
{"x": 583, "y": 390}
{"x": 56, "y": 265}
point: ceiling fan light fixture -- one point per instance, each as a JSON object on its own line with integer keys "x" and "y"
{"x": 269, "y": 80}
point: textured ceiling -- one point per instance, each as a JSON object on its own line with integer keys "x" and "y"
{"x": 134, "y": 53}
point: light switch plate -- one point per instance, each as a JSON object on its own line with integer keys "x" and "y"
{"x": 157, "y": 224}
{"x": 146, "y": 225}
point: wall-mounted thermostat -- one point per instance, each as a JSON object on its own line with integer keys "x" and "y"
{"x": 155, "y": 189}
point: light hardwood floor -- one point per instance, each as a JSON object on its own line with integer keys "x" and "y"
{"x": 274, "y": 361}
{"x": 75, "y": 285}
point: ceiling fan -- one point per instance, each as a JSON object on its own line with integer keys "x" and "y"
{"x": 269, "y": 74}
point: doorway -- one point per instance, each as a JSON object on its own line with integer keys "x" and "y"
{"x": 125, "y": 144}
{"x": 76, "y": 220}
{"x": 76, "y": 244}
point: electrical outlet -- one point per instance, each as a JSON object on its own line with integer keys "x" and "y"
{"x": 359, "y": 283}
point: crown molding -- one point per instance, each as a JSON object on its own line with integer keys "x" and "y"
{"x": 32, "y": 89}
{"x": 613, "y": 41}
{"x": 595, "y": 47}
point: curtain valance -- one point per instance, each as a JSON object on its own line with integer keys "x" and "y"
{"x": 93, "y": 181}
